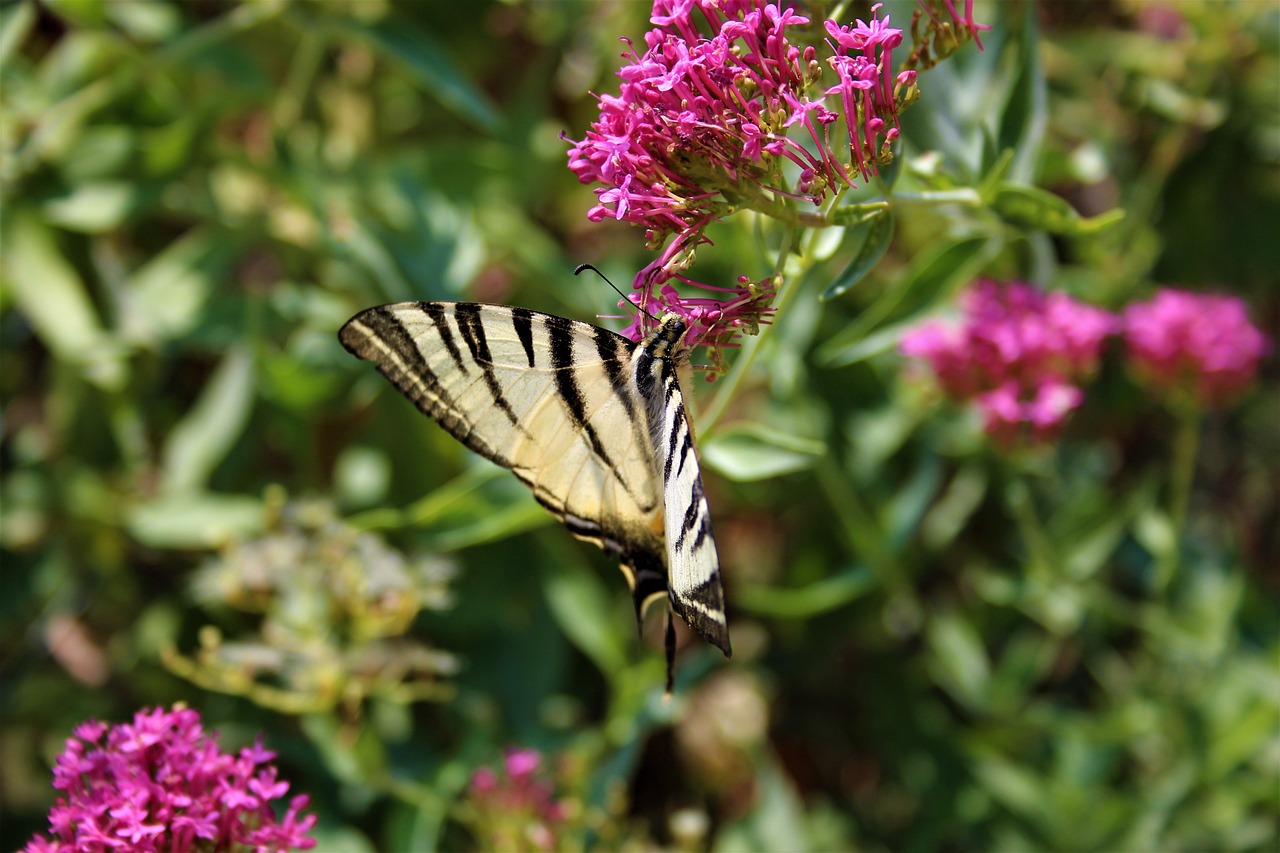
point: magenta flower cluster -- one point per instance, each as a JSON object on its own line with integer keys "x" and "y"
{"x": 516, "y": 810}
{"x": 1020, "y": 354}
{"x": 704, "y": 124}
{"x": 1198, "y": 347}
{"x": 161, "y": 783}
{"x": 697, "y": 116}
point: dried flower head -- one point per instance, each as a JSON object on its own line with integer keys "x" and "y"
{"x": 336, "y": 604}
{"x": 1019, "y": 353}
{"x": 161, "y": 783}
{"x": 1194, "y": 346}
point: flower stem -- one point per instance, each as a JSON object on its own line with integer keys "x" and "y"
{"x": 727, "y": 388}
{"x": 1186, "y": 445}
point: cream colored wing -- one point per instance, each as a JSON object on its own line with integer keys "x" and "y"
{"x": 551, "y": 399}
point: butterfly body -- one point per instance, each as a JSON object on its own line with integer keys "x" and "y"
{"x": 594, "y": 424}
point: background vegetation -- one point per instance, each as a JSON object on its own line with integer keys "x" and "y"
{"x": 940, "y": 643}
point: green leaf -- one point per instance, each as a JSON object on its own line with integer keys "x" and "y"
{"x": 888, "y": 175}
{"x": 958, "y": 659}
{"x": 581, "y": 607}
{"x": 169, "y": 292}
{"x": 876, "y": 234}
{"x": 427, "y": 60}
{"x": 145, "y": 20}
{"x": 89, "y": 14}
{"x": 933, "y": 276}
{"x": 15, "y": 23}
{"x": 746, "y": 452}
{"x": 204, "y": 436}
{"x": 1033, "y": 207}
{"x": 50, "y": 294}
{"x": 955, "y": 507}
{"x": 492, "y": 526}
{"x": 807, "y": 601}
{"x": 196, "y": 520}
{"x": 876, "y": 343}
{"x": 1026, "y": 114}
{"x": 96, "y": 207}
{"x": 778, "y": 820}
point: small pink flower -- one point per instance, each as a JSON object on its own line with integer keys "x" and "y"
{"x": 1194, "y": 346}
{"x": 522, "y": 763}
{"x": 483, "y": 781}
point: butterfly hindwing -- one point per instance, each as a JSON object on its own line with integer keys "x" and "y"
{"x": 593, "y": 423}
{"x": 693, "y": 565}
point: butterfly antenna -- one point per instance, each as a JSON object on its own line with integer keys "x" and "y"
{"x": 580, "y": 267}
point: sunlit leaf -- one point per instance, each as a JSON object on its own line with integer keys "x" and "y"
{"x": 53, "y": 298}
{"x": 582, "y": 608}
{"x": 876, "y": 233}
{"x": 958, "y": 659}
{"x": 807, "y": 601}
{"x": 196, "y": 520}
{"x": 96, "y": 207}
{"x": 200, "y": 441}
{"x": 15, "y": 22}
{"x": 932, "y": 276}
{"x": 1026, "y": 114}
{"x": 746, "y": 452}
{"x": 170, "y": 290}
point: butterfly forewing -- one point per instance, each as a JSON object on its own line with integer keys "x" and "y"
{"x": 593, "y": 423}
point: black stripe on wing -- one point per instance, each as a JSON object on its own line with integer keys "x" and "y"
{"x": 704, "y": 613}
{"x": 522, "y": 322}
{"x": 440, "y": 323}
{"x": 471, "y": 327}
{"x": 560, "y": 332}
{"x": 377, "y": 335}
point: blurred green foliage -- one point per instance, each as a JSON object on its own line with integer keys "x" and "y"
{"x": 939, "y": 644}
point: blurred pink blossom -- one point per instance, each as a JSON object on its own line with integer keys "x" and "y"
{"x": 1018, "y": 353}
{"x": 517, "y": 810}
{"x": 1194, "y": 345}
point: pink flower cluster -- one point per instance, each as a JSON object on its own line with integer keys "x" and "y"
{"x": 516, "y": 811}
{"x": 1019, "y": 355}
{"x": 161, "y": 784}
{"x": 697, "y": 116}
{"x": 1199, "y": 347}
{"x": 703, "y": 125}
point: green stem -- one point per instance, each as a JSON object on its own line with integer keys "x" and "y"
{"x": 1040, "y": 564}
{"x": 1186, "y": 444}
{"x": 727, "y": 388}
{"x": 857, "y": 522}
{"x": 303, "y": 66}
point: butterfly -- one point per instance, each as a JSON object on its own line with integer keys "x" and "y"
{"x": 593, "y": 423}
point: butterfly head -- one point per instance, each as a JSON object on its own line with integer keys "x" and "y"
{"x": 666, "y": 341}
